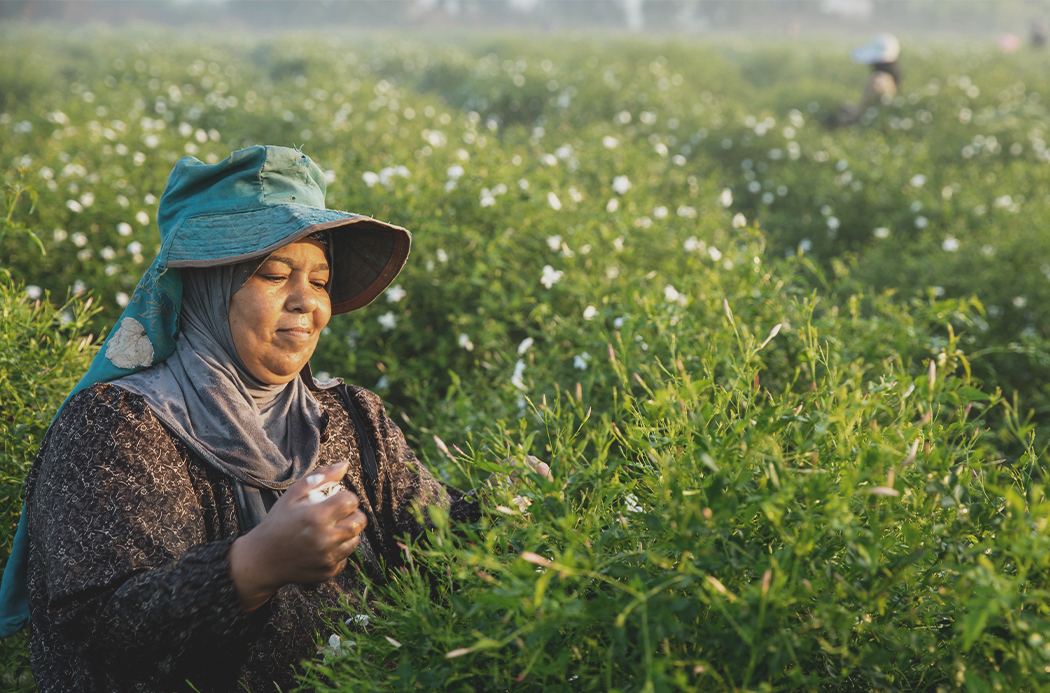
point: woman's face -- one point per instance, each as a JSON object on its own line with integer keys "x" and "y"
{"x": 277, "y": 316}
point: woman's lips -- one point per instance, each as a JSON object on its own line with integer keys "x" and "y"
{"x": 296, "y": 332}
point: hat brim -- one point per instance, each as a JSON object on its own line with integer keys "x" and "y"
{"x": 367, "y": 254}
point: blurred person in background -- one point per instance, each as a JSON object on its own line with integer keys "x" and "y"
{"x": 191, "y": 511}
{"x": 882, "y": 54}
{"x": 1038, "y": 34}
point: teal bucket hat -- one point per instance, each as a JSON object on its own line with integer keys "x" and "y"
{"x": 257, "y": 200}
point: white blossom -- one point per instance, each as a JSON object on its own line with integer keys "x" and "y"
{"x": 739, "y": 221}
{"x": 589, "y": 312}
{"x": 621, "y": 184}
{"x": 579, "y": 362}
{"x": 519, "y": 370}
{"x": 388, "y": 320}
{"x": 553, "y": 201}
{"x": 395, "y": 294}
{"x": 726, "y": 198}
{"x": 525, "y": 344}
{"x": 550, "y": 276}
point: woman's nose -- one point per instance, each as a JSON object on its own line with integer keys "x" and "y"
{"x": 302, "y": 298}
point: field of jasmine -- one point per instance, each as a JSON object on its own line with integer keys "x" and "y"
{"x": 791, "y": 381}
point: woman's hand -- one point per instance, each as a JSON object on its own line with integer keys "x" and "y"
{"x": 304, "y": 538}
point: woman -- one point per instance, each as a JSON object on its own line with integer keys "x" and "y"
{"x": 181, "y": 525}
{"x": 882, "y": 54}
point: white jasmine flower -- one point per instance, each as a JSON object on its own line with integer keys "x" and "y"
{"x": 122, "y": 299}
{"x": 549, "y": 159}
{"x": 610, "y": 142}
{"x": 882, "y": 232}
{"x": 618, "y": 322}
{"x": 660, "y": 212}
{"x": 74, "y": 206}
{"x": 715, "y": 253}
{"x": 388, "y": 320}
{"x": 579, "y": 362}
{"x": 612, "y": 205}
{"x": 686, "y": 212}
{"x": 34, "y": 292}
{"x": 124, "y": 228}
{"x": 464, "y": 341}
{"x": 671, "y": 293}
{"x": 369, "y": 178}
{"x": 553, "y": 201}
{"x": 631, "y": 503}
{"x": 621, "y": 184}
{"x": 442, "y": 256}
{"x": 554, "y": 242}
{"x": 525, "y": 344}
{"x": 726, "y": 198}
{"x": 550, "y": 276}
{"x": 142, "y": 218}
{"x": 921, "y": 222}
{"x": 951, "y": 244}
{"x": 691, "y": 244}
{"x": 918, "y": 180}
{"x": 739, "y": 221}
{"x": 519, "y": 370}
{"x": 589, "y": 312}
{"x": 359, "y": 620}
{"x": 395, "y": 294}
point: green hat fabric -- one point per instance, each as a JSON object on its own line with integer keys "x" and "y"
{"x": 255, "y": 201}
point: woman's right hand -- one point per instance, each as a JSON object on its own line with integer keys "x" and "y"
{"x": 299, "y": 541}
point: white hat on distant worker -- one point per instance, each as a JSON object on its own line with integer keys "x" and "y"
{"x": 884, "y": 48}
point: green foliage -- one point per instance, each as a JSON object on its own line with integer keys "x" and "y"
{"x": 44, "y": 349}
{"x": 729, "y": 511}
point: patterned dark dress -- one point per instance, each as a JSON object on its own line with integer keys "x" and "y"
{"x": 129, "y": 585}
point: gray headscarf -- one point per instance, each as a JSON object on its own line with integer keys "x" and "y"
{"x": 266, "y": 437}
